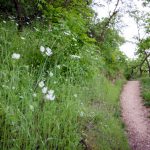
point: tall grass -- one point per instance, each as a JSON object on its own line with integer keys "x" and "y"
{"x": 145, "y": 82}
{"x": 82, "y": 95}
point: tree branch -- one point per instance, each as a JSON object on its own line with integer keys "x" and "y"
{"x": 115, "y": 11}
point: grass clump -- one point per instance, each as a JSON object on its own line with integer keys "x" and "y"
{"x": 102, "y": 127}
{"x": 145, "y": 82}
{"x": 49, "y": 101}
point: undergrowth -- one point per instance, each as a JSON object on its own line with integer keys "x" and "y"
{"x": 145, "y": 82}
{"x": 83, "y": 108}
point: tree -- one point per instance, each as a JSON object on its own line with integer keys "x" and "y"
{"x": 143, "y": 44}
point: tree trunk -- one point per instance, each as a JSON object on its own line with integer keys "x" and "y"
{"x": 141, "y": 72}
{"x": 19, "y": 15}
{"x": 106, "y": 25}
{"x": 141, "y": 64}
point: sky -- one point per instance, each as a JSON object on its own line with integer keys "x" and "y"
{"x": 130, "y": 29}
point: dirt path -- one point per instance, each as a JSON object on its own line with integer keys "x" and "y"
{"x": 135, "y": 117}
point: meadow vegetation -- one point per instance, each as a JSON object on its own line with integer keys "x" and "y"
{"x": 84, "y": 108}
{"x": 61, "y": 77}
{"x": 145, "y": 83}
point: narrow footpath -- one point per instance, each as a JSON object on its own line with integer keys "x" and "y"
{"x": 135, "y": 117}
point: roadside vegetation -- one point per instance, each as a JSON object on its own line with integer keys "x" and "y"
{"x": 55, "y": 98}
{"x": 61, "y": 75}
{"x": 145, "y": 82}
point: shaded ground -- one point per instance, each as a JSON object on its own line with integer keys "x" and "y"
{"x": 135, "y": 117}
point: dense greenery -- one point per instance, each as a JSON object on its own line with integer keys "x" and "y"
{"x": 141, "y": 66}
{"x": 61, "y": 76}
{"x": 86, "y": 103}
{"x": 145, "y": 82}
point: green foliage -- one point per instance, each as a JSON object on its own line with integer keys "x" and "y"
{"x": 143, "y": 45}
{"x": 29, "y": 122}
{"x": 76, "y": 71}
{"x": 141, "y": 64}
{"x": 109, "y": 44}
{"x": 28, "y": 7}
{"x": 146, "y": 90}
{"x": 102, "y": 128}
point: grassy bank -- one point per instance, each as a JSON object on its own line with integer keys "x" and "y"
{"x": 145, "y": 82}
{"x": 55, "y": 99}
{"x": 102, "y": 125}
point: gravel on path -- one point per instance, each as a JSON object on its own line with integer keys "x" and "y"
{"x": 135, "y": 116}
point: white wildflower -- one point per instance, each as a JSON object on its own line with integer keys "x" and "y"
{"x": 75, "y": 56}
{"x": 22, "y": 38}
{"x": 48, "y": 51}
{"x": 50, "y": 95}
{"x": 44, "y": 90}
{"x": 4, "y": 21}
{"x": 41, "y": 84}
{"x": 11, "y": 18}
{"x": 42, "y": 49}
{"x": 15, "y": 56}
{"x": 51, "y": 92}
{"x": 51, "y": 74}
{"x": 34, "y": 95}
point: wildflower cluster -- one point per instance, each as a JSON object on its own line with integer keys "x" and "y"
{"x": 46, "y": 51}
{"x": 48, "y": 94}
{"x": 15, "y": 56}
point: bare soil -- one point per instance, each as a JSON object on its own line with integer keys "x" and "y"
{"x": 135, "y": 117}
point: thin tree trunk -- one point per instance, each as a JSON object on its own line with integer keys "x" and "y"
{"x": 19, "y": 15}
{"x": 140, "y": 65}
{"x": 141, "y": 72}
{"x": 115, "y": 11}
